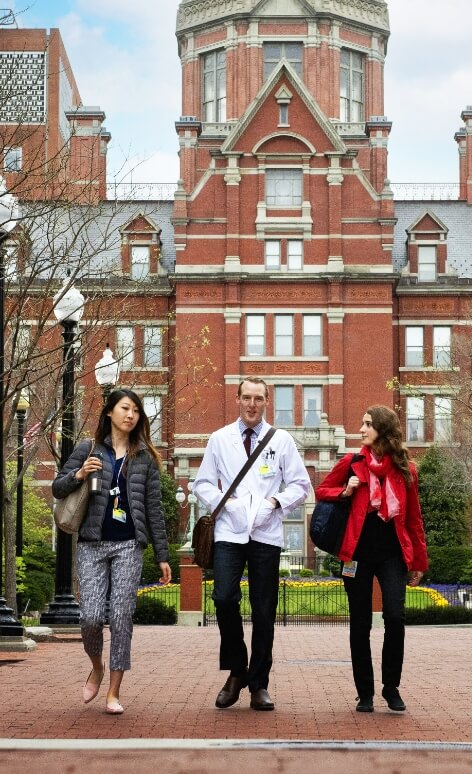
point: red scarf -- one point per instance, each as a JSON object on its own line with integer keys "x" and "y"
{"x": 385, "y": 496}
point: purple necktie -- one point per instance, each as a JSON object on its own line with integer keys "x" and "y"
{"x": 247, "y": 440}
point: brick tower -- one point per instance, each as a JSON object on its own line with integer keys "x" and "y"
{"x": 284, "y": 217}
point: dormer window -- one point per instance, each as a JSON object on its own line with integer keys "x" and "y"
{"x": 140, "y": 260}
{"x": 427, "y": 263}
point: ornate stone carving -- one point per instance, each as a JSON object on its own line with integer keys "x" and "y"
{"x": 194, "y": 13}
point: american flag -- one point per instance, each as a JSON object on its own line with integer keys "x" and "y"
{"x": 30, "y": 436}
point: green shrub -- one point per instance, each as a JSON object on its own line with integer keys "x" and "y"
{"x": 152, "y": 611}
{"x": 466, "y": 576}
{"x": 39, "y": 590}
{"x": 447, "y": 564}
{"x": 305, "y": 572}
{"x": 333, "y": 565}
{"x": 430, "y": 616}
{"x": 151, "y": 570}
{"x": 284, "y": 573}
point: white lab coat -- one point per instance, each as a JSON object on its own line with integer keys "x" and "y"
{"x": 249, "y": 513}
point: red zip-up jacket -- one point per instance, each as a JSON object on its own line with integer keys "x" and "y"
{"x": 408, "y": 522}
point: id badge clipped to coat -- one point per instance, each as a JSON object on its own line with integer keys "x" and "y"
{"x": 350, "y": 569}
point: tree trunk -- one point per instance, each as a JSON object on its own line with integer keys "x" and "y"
{"x": 10, "y": 554}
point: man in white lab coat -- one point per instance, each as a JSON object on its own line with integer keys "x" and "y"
{"x": 249, "y": 530}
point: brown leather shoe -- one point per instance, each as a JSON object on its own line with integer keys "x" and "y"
{"x": 229, "y": 694}
{"x": 260, "y": 700}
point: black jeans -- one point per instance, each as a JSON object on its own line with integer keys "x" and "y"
{"x": 392, "y": 575}
{"x": 263, "y": 575}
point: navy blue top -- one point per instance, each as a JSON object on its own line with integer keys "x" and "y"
{"x": 112, "y": 529}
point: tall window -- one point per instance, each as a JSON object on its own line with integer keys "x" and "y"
{"x": 414, "y": 346}
{"x": 352, "y": 86}
{"x": 125, "y": 347}
{"x": 427, "y": 263}
{"x": 214, "y": 86}
{"x": 312, "y": 406}
{"x": 11, "y": 261}
{"x": 415, "y": 419}
{"x": 152, "y": 408}
{"x": 311, "y": 334}
{"x": 274, "y": 52}
{"x": 294, "y": 531}
{"x": 442, "y": 347}
{"x": 283, "y": 406}
{"x": 284, "y": 187}
{"x": 152, "y": 346}
{"x": 272, "y": 254}
{"x": 294, "y": 255}
{"x": 283, "y": 335}
{"x": 140, "y": 261}
{"x": 12, "y": 159}
{"x": 255, "y": 335}
{"x": 443, "y": 420}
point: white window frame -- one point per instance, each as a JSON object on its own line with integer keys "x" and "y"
{"x": 272, "y": 254}
{"x": 13, "y": 159}
{"x": 427, "y": 263}
{"x": 152, "y": 354}
{"x": 352, "y": 86}
{"x": 214, "y": 86}
{"x": 126, "y": 346}
{"x": 312, "y": 405}
{"x": 152, "y": 405}
{"x": 442, "y": 347}
{"x": 414, "y": 346}
{"x": 294, "y": 254}
{"x": 274, "y": 51}
{"x": 140, "y": 262}
{"x": 283, "y": 406}
{"x": 294, "y": 532}
{"x": 255, "y": 335}
{"x": 415, "y": 420}
{"x": 283, "y": 335}
{"x": 284, "y": 187}
{"x": 443, "y": 420}
{"x": 311, "y": 335}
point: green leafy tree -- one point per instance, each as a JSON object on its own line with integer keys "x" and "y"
{"x": 445, "y": 498}
{"x": 171, "y": 507}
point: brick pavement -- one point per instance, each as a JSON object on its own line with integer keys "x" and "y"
{"x": 171, "y": 689}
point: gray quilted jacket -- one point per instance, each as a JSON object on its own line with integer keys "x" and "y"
{"x": 144, "y": 494}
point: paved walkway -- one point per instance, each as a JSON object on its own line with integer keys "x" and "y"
{"x": 169, "y": 695}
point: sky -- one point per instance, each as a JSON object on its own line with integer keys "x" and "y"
{"x": 124, "y": 57}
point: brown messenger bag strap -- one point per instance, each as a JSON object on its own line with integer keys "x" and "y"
{"x": 247, "y": 465}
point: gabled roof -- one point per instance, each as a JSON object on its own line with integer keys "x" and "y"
{"x": 283, "y": 69}
{"x": 140, "y": 214}
{"x": 425, "y": 215}
{"x": 280, "y": 8}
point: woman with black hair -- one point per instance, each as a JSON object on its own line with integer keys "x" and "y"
{"x": 384, "y": 538}
{"x": 122, "y": 517}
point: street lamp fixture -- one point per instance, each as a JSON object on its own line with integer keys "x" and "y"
{"x": 107, "y": 371}
{"x": 68, "y": 308}
{"x": 192, "y": 500}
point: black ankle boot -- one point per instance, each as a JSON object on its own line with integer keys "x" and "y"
{"x": 365, "y": 704}
{"x": 393, "y": 698}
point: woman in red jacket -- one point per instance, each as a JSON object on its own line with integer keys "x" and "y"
{"x": 384, "y": 537}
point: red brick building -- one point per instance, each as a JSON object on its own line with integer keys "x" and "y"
{"x": 289, "y": 246}
{"x": 285, "y": 254}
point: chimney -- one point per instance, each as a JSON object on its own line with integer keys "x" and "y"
{"x": 87, "y": 156}
{"x": 464, "y": 141}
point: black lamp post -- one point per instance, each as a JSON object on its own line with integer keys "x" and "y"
{"x": 68, "y": 308}
{"x": 9, "y": 625}
{"x": 21, "y": 409}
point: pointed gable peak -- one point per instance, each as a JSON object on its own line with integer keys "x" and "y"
{"x": 283, "y": 8}
{"x": 140, "y": 222}
{"x": 285, "y": 71}
{"x": 427, "y": 223}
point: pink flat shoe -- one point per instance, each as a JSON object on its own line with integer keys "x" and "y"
{"x": 114, "y": 708}
{"x": 90, "y": 690}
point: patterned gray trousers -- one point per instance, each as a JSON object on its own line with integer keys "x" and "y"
{"x": 122, "y": 562}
